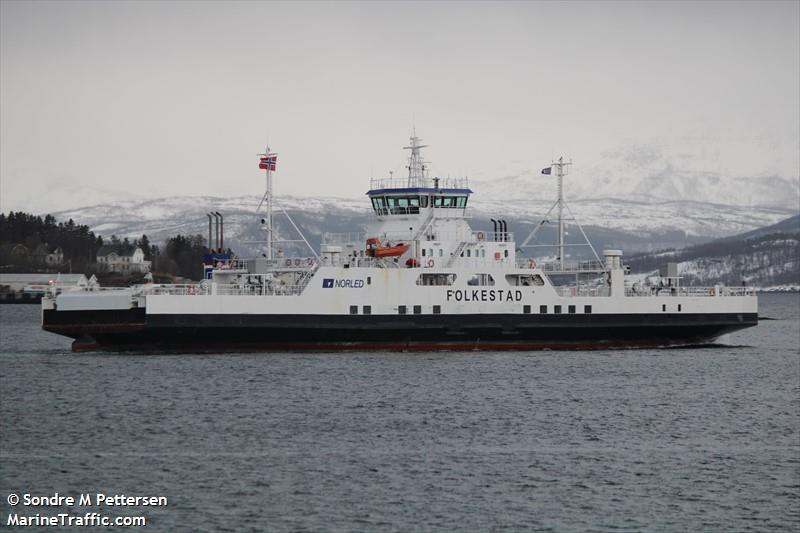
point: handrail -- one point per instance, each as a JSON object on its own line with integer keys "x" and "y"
{"x": 717, "y": 291}
{"x": 556, "y": 266}
{"x": 402, "y": 183}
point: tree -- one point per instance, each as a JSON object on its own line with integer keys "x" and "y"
{"x": 187, "y": 254}
{"x": 144, "y": 244}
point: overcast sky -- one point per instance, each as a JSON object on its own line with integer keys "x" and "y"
{"x": 159, "y": 98}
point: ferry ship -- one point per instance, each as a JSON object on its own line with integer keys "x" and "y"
{"x": 420, "y": 278}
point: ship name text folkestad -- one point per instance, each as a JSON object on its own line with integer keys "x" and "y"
{"x": 483, "y": 295}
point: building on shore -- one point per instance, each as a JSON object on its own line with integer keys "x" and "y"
{"x": 110, "y": 259}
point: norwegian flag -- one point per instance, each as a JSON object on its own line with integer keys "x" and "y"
{"x": 268, "y": 162}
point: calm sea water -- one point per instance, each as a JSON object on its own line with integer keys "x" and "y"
{"x": 704, "y": 439}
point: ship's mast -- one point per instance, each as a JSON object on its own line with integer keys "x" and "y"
{"x": 268, "y": 164}
{"x": 416, "y": 165}
{"x": 561, "y": 171}
{"x": 268, "y": 161}
{"x": 565, "y": 216}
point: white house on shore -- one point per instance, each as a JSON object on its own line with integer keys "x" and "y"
{"x": 109, "y": 260}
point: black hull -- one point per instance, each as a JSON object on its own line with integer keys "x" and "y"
{"x": 133, "y": 329}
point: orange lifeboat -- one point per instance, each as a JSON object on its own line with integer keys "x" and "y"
{"x": 375, "y": 249}
{"x": 391, "y": 251}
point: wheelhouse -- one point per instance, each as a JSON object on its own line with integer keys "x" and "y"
{"x": 412, "y": 201}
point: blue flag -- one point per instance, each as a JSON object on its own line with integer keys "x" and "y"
{"x": 546, "y": 170}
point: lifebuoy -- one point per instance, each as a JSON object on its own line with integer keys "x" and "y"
{"x": 297, "y": 262}
{"x": 532, "y": 263}
{"x": 711, "y": 291}
{"x": 288, "y": 262}
{"x": 430, "y": 262}
{"x": 309, "y": 261}
{"x": 481, "y": 236}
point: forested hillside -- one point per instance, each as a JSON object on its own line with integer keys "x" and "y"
{"x": 765, "y": 257}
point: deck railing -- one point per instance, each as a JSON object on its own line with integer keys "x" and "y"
{"x": 689, "y": 291}
{"x": 556, "y": 266}
{"x": 207, "y": 289}
{"x": 402, "y": 183}
{"x": 569, "y": 291}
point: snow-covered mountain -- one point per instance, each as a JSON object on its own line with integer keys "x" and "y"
{"x": 632, "y": 220}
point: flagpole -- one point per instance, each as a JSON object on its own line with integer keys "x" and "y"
{"x": 560, "y": 174}
{"x": 267, "y": 161}
{"x": 270, "y": 254}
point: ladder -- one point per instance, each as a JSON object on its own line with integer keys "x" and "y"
{"x": 424, "y": 227}
{"x": 457, "y": 253}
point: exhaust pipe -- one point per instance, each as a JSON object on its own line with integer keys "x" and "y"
{"x": 494, "y": 233}
{"x": 221, "y": 231}
{"x": 216, "y": 230}
{"x": 209, "y": 230}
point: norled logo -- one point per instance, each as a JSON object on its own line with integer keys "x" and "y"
{"x": 330, "y": 283}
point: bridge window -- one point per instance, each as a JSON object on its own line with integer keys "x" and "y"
{"x": 459, "y": 202}
{"x": 397, "y": 205}
{"x": 379, "y": 205}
